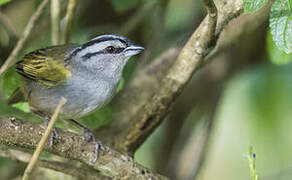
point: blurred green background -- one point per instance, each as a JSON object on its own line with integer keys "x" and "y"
{"x": 254, "y": 108}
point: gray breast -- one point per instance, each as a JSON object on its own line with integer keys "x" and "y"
{"x": 83, "y": 96}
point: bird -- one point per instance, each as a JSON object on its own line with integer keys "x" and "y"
{"x": 86, "y": 75}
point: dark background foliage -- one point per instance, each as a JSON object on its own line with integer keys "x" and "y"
{"x": 255, "y": 108}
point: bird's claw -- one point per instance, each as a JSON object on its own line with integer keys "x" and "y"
{"x": 90, "y": 137}
{"x": 54, "y": 136}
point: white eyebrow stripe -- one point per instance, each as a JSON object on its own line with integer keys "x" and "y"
{"x": 100, "y": 46}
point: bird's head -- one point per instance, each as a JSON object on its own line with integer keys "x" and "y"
{"x": 106, "y": 53}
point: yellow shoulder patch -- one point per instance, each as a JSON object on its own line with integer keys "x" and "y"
{"x": 40, "y": 67}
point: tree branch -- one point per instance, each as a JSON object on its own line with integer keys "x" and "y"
{"x": 147, "y": 81}
{"x": 148, "y": 84}
{"x": 136, "y": 94}
{"x": 68, "y": 145}
{"x": 152, "y": 113}
{"x": 244, "y": 33}
{"x": 144, "y": 118}
{"x": 211, "y": 8}
{"x": 72, "y": 169}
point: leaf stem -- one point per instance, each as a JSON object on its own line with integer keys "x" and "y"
{"x": 252, "y": 165}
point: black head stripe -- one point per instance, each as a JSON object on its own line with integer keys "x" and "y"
{"x": 103, "y": 39}
{"x": 99, "y": 39}
{"x": 89, "y": 55}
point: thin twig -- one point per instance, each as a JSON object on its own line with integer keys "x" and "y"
{"x": 10, "y": 60}
{"x": 69, "y": 16}
{"x": 8, "y": 25}
{"x": 43, "y": 140}
{"x": 55, "y": 21}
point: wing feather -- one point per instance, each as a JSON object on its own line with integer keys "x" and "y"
{"x": 44, "y": 66}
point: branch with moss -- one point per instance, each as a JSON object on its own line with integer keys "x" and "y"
{"x": 71, "y": 146}
{"x": 57, "y": 165}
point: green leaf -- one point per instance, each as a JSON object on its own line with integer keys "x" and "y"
{"x": 281, "y": 24}
{"x": 11, "y": 82}
{"x": 251, "y": 6}
{"x": 277, "y": 56}
{"x": 98, "y": 118}
{"x": 125, "y": 5}
{"x": 22, "y": 106}
{"x": 121, "y": 84}
{"x": 8, "y": 111}
{"x": 4, "y": 2}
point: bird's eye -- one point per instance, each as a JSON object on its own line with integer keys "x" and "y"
{"x": 110, "y": 49}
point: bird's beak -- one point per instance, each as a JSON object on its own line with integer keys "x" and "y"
{"x": 132, "y": 50}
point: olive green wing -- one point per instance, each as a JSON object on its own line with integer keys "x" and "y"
{"x": 46, "y": 66}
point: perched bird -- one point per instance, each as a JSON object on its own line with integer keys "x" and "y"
{"x": 87, "y": 75}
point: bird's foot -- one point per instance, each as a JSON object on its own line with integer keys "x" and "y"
{"x": 54, "y": 135}
{"x": 90, "y": 137}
